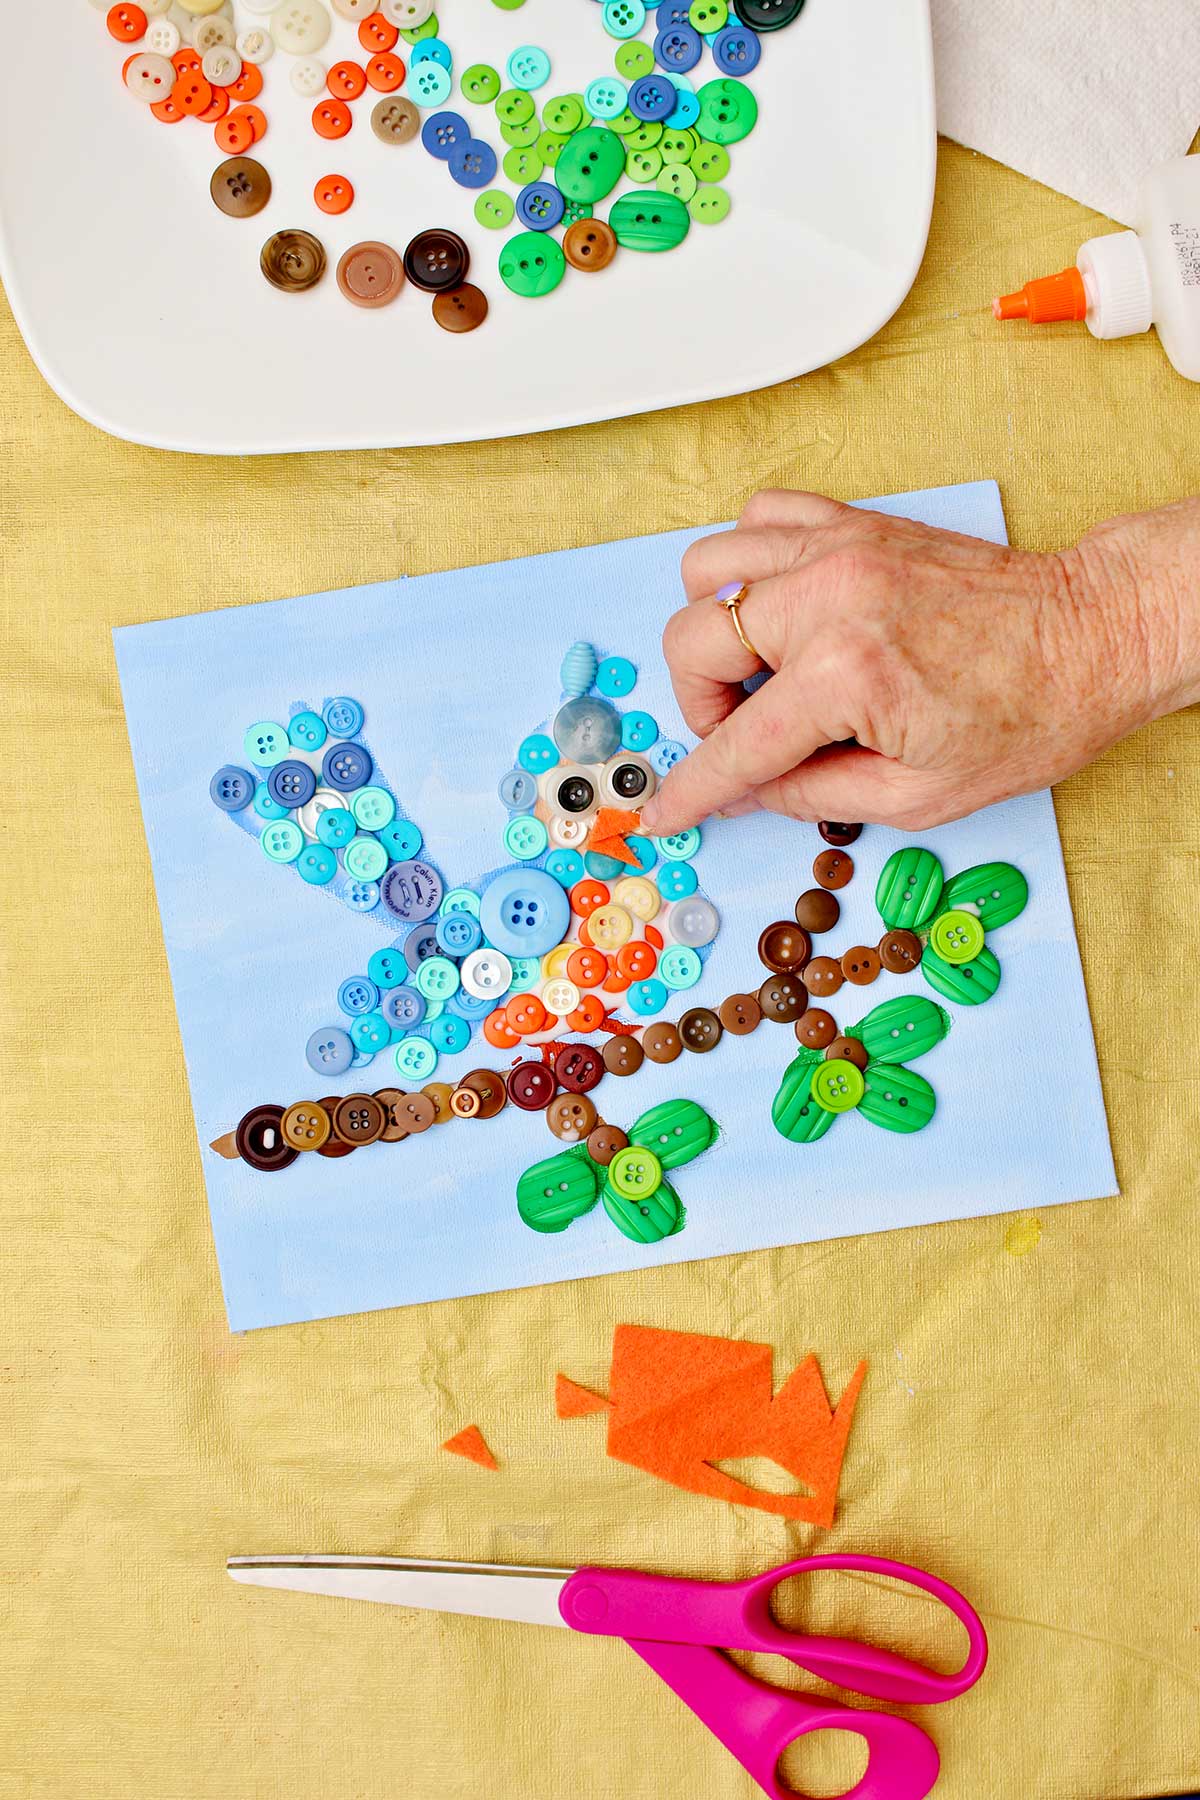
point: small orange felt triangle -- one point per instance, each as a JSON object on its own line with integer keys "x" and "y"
{"x": 610, "y": 828}
{"x": 470, "y": 1443}
{"x": 574, "y": 1402}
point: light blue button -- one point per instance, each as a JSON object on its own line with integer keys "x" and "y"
{"x": 431, "y": 49}
{"x": 587, "y": 730}
{"x": 307, "y": 731}
{"x": 460, "y": 900}
{"x": 266, "y": 744}
{"x": 358, "y": 994}
{"x": 525, "y": 837}
{"x": 370, "y": 1033}
{"x": 429, "y": 84}
{"x": 470, "y": 1006}
{"x": 264, "y": 806}
{"x": 680, "y": 967}
{"x": 566, "y": 866}
{"x": 518, "y": 790}
{"x": 361, "y": 1059}
{"x": 458, "y": 933}
{"x": 317, "y": 865}
{"x": 524, "y": 912}
{"x": 343, "y": 716}
{"x": 366, "y": 859}
{"x": 402, "y": 840}
{"x": 388, "y": 968}
{"x": 449, "y": 1034}
{"x": 525, "y": 970}
{"x": 537, "y": 753}
{"x": 676, "y": 880}
{"x": 680, "y": 845}
{"x": 616, "y": 676}
{"x": 638, "y": 731}
{"x": 623, "y": 18}
{"x": 329, "y": 1051}
{"x": 604, "y": 868}
{"x": 281, "y": 840}
{"x": 647, "y": 997}
{"x": 665, "y": 754}
{"x": 361, "y": 896}
{"x": 416, "y": 1056}
{"x": 336, "y": 827}
{"x": 644, "y": 850}
{"x": 373, "y": 808}
{"x": 687, "y": 106}
{"x": 437, "y": 978}
{"x": 605, "y": 98}
{"x": 695, "y": 921}
{"x": 528, "y": 68}
{"x": 404, "y": 1007}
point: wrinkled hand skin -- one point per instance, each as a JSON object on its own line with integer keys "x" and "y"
{"x": 965, "y": 672}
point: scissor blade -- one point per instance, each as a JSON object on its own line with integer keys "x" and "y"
{"x": 483, "y": 1590}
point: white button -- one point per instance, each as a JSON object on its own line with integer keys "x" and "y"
{"x": 569, "y": 830}
{"x": 163, "y": 37}
{"x": 211, "y": 32}
{"x": 354, "y": 9}
{"x": 221, "y": 65}
{"x": 150, "y": 77}
{"x": 258, "y": 7}
{"x": 308, "y": 77}
{"x": 256, "y": 45}
{"x": 609, "y": 796}
{"x": 408, "y": 14}
{"x": 486, "y": 974}
{"x": 693, "y": 921}
{"x": 308, "y": 814}
{"x": 560, "y": 996}
{"x": 153, "y": 9}
{"x": 300, "y": 26}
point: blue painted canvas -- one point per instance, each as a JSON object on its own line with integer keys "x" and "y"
{"x": 453, "y": 671}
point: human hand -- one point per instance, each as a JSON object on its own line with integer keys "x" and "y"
{"x": 965, "y": 672}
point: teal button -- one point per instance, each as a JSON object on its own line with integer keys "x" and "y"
{"x": 437, "y": 978}
{"x": 680, "y": 846}
{"x": 282, "y": 840}
{"x": 416, "y": 1058}
{"x": 307, "y": 731}
{"x": 373, "y": 808}
{"x": 644, "y": 850}
{"x": 449, "y": 1034}
{"x": 460, "y": 900}
{"x": 370, "y": 1032}
{"x": 638, "y": 731}
{"x": 366, "y": 859}
{"x": 335, "y": 827}
{"x": 679, "y": 967}
{"x": 566, "y": 866}
{"x": 429, "y": 84}
{"x": 524, "y": 970}
{"x": 616, "y": 676}
{"x": 606, "y": 97}
{"x": 528, "y": 67}
{"x": 402, "y": 840}
{"x": 317, "y": 865}
{"x": 623, "y": 18}
{"x": 538, "y": 752}
{"x": 604, "y": 868}
{"x": 525, "y": 837}
{"x": 266, "y": 744}
{"x": 264, "y": 806}
{"x": 677, "y": 880}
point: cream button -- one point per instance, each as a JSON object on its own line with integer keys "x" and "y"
{"x": 353, "y": 9}
{"x": 211, "y": 32}
{"x": 200, "y": 9}
{"x": 638, "y": 896}
{"x": 560, "y": 996}
{"x": 300, "y": 26}
{"x": 256, "y": 45}
{"x": 407, "y": 14}
{"x": 163, "y": 37}
{"x": 220, "y": 65}
{"x": 569, "y": 832}
{"x": 149, "y": 77}
{"x": 308, "y": 77}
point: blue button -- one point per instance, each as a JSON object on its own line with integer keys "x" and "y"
{"x": 680, "y": 47}
{"x": 361, "y": 896}
{"x": 524, "y": 912}
{"x": 687, "y": 106}
{"x": 291, "y": 783}
{"x": 676, "y": 880}
{"x": 449, "y": 1034}
{"x": 458, "y": 933}
{"x": 518, "y": 790}
{"x": 370, "y": 1033}
{"x": 361, "y": 1059}
{"x": 346, "y": 766}
{"x": 418, "y": 945}
{"x": 431, "y": 49}
{"x": 644, "y": 850}
{"x": 540, "y": 206}
{"x": 470, "y": 1006}
{"x": 416, "y": 1058}
{"x": 336, "y": 827}
{"x": 358, "y": 994}
{"x": 647, "y": 996}
{"x": 388, "y": 968}
{"x": 673, "y": 14}
{"x": 651, "y": 97}
{"x": 232, "y": 789}
{"x": 665, "y": 754}
{"x": 329, "y": 1051}
{"x": 307, "y": 731}
{"x": 265, "y": 807}
{"x": 604, "y": 868}
{"x": 638, "y": 731}
{"x": 736, "y": 49}
{"x": 317, "y": 865}
{"x": 537, "y": 753}
{"x": 443, "y": 132}
{"x": 343, "y": 716}
{"x": 566, "y": 866}
{"x": 473, "y": 164}
{"x": 404, "y": 1006}
{"x": 401, "y": 839}
{"x": 412, "y": 891}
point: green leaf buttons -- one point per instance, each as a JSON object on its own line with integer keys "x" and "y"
{"x": 640, "y": 1203}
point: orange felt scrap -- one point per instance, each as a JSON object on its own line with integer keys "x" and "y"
{"x": 574, "y": 1402}
{"x": 471, "y": 1444}
{"x": 610, "y": 828}
{"x": 682, "y": 1402}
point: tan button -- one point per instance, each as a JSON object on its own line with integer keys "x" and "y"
{"x": 848, "y": 1049}
{"x": 861, "y": 965}
{"x": 306, "y": 1125}
{"x": 395, "y": 120}
{"x": 823, "y": 977}
{"x": 604, "y": 1142}
{"x": 572, "y": 1117}
{"x": 462, "y": 309}
{"x": 900, "y": 951}
{"x": 293, "y": 261}
{"x": 782, "y": 998}
{"x": 784, "y": 947}
{"x": 417, "y": 1112}
{"x": 394, "y": 1125}
{"x": 817, "y": 911}
{"x": 479, "y": 1095}
{"x": 740, "y": 1014}
{"x": 370, "y": 274}
{"x": 623, "y": 1056}
{"x": 816, "y": 1029}
{"x": 589, "y": 244}
{"x": 833, "y": 869}
{"x": 662, "y": 1042}
{"x": 439, "y": 1092}
{"x": 241, "y": 187}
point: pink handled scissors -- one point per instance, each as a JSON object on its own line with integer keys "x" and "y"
{"x": 680, "y": 1628}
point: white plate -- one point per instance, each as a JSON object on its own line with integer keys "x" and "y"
{"x": 145, "y": 309}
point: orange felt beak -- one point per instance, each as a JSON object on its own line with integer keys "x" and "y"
{"x": 610, "y": 828}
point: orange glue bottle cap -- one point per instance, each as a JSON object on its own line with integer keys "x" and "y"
{"x": 1049, "y": 298}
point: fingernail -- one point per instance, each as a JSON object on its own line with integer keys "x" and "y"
{"x": 650, "y": 815}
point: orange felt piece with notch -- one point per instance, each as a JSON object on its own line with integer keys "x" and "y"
{"x": 471, "y": 1444}
{"x": 610, "y": 828}
{"x": 574, "y": 1402}
{"x": 683, "y": 1402}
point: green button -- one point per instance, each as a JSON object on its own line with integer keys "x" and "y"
{"x": 508, "y": 5}
{"x": 550, "y": 146}
{"x": 651, "y": 222}
{"x": 677, "y": 179}
{"x": 837, "y": 1086}
{"x": 522, "y": 164}
{"x": 647, "y": 134}
{"x": 591, "y": 165}
{"x": 969, "y": 983}
{"x": 526, "y": 837}
{"x": 480, "y": 83}
{"x": 710, "y": 162}
{"x": 678, "y": 146}
{"x": 576, "y": 209}
{"x": 564, "y": 113}
{"x": 524, "y": 134}
{"x": 552, "y": 1194}
{"x": 282, "y": 840}
{"x": 624, "y": 123}
{"x": 515, "y": 106}
{"x": 532, "y": 264}
{"x": 708, "y": 15}
{"x": 957, "y": 937}
{"x": 495, "y": 209}
{"x": 419, "y": 32}
{"x": 643, "y": 165}
{"x": 996, "y": 891}
{"x": 645, "y": 1221}
{"x": 633, "y": 60}
{"x": 634, "y": 1173}
{"x": 728, "y": 111}
{"x": 709, "y": 205}
{"x": 373, "y": 808}
{"x": 909, "y": 889}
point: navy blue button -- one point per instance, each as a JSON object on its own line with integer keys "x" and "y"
{"x": 540, "y": 206}
{"x": 291, "y": 784}
{"x": 671, "y": 15}
{"x": 418, "y": 945}
{"x": 329, "y": 1051}
{"x": 473, "y": 164}
{"x": 443, "y": 132}
{"x": 403, "y": 1006}
{"x": 524, "y": 912}
{"x": 412, "y": 891}
{"x": 232, "y": 789}
{"x": 343, "y": 716}
{"x": 358, "y": 994}
{"x": 518, "y": 790}
{"x": 679, "y": 48}
{"x": 736, "y": 49}
{"x": 345, "y": 766}
{"x": 653, "y": 97}
{"x": 361, "y": 896}
{"x": 458, "y": 934}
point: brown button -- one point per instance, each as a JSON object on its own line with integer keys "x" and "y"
{"x": 306, "y": 1125}
{"x": 462, "y": 309}
{"x": 395, "y": 121}
{"x": 740, "y": 1014}
{"x": 782, "y": 998}
{"x": 662, "y": 1042}
{"x": 815, "y": 1029}
{"x": 241, "y": 187}
{"x": 861, "y": 965}
{"x": 437, "y": 261}
{"x": 260, "y": 1140}
{"x": 394, "y": 1127}
{"x": 848, "y": 1049}
{"x": 589, "y": 244}
{"x": 604, "y": 1143}
{"x": 572, "y": 1117}
{"x": 417, "y": 1112}
{"x": 700, "y": 1029}
{"x": 834, "y": 832}
{"x": 370, "y": 274}
{"x": 293, "y": 261}
{"x": 579, "y": 1068}
{"x": 817, "y": 911}
{"x": 623, "y": 1056}
{"x": 359, "y": 1119}
{"x": 439, "y": 1092}
{"x": 479, "y": 1095}
{"x": 900, "y": 951}
{"x": 833, "y": 869}
{"x": 784, "y": 947}
{"x": 823, "y": 977}
{"x": 531, "y": 1086}
{"x": 334, "y": 1145}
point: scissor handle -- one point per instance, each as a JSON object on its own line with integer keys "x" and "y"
{"x": 736, "y": 1615}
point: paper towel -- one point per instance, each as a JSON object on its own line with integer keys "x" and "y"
{"x": 1085, "y": 95}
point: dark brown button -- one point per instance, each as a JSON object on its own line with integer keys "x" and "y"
{"x": 589, "y": 244}
{"x": 419, "y": 1112}
{"x": 439, "y": 1092}
{"x": 833, "y": 869}
{"x": 579, "y": 1068}
{"x": 572, "y": 1117}
{"x": 823, "y": 977}
{"x": 394, "y": 1127}
{"x": 834, "y": 832}
{"x": 900, "y": 951}
{"x": 370, "y": 274}
{"x": 334, "y": 1145}
{"x": 662, "y": 1042}
{"x": 293, "y": 261}
{"x": 740, "y": 1014}
{"x": 241, "y": 187}
{"x": 395, "y": 120}
{"x": 359, "y": 1119}
{"x": 462, "y": 309}
{"x": 784, "y": 947}
{"x": 851, "y": 1050}
{"x": 700, "y": 1029}
{"x": 782, "y": 998}
{"x": 861, "y": 965}
{"x": 604, "y": 1143}
{"x": 437, "y": 261}
{"x": 479, "y": 1095}
{"x": 623, "y": 1056}
{"x": 817, "y": 911}
{"x": 260, "y": 1140}
{"x": 815, "y": 1029}
{"x": 531, "y": 1086}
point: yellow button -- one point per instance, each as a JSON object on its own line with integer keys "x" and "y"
{"x": 200, "y": 9}
{"x": 554, "y": 963}
{"x": 609, "y": 927}
{"x": 638, "y": 896}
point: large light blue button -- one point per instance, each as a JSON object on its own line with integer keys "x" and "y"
{"x": 336, "y": 827}
{"x": 370, "y": 1033}
{"x": 281, "y": 840}
{"x": 366, "y": 859}
{"x": 525, "y": 837}
{"x": 358, "y": 994}
{"x": 524, "y": 912}
{"x": 264, "y": 806}
{"x": 647, "y": 997}
{"x": 416, "y": 1056}
{"x": 449, "y": 1034}
{"x": 537, "y": 753}
{"x": 665, "y": 754}
{"x": 266, "y": 744}
{"x": 518, "y": 790}
{"x": 587, "y": 730}
{"x": 566, "y": 866}
{"x": 388, "y": 968}
{"x": 679, "y": 966}
{"x": 676, "y": 880}
{"x": 329, "y": 1051}
{"x": 402, "y": 840}
{"x": 307, "y": 731}
{"x": 458, "y": 933}
{"x": 638, "y": 731}
{"x": 317, "y": 865}
{"x": 343, "y": 716}
{"x": 680, "y": 845}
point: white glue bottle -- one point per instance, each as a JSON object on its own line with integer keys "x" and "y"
{"x": 1128, "y": 281}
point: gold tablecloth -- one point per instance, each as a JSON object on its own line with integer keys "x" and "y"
{"x": 1030, "y": 1422}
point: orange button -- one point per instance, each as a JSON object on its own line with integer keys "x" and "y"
{"x": 587, "y": 968}
{"x": 346, "y": 81}
{"x": 637, "y": 960}
{"x": 378, "y": 33}
{"x": 334, "y": 194}
{"x": 587, "y": 895}
{"x": 653, "y": 936}
{"x": 525, "y": 1013}
{"x": 186, "y": 61}
{"x": 192, "y": 94}
{"x": 235, "y": 133}
{"x": 218, "y": 109}
{"x": 617, "y": 983}
{"x": 167, "y": 111}
{"x": 255, "y": 117}
{"x": 126, "y": 23}
{"x": 498, "y": 1032}
{"x": 589, "y": 1015}
{"x": 249, "y": 83}
{"x": 385, "y": 72}
{"x": 331, "y": 118}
